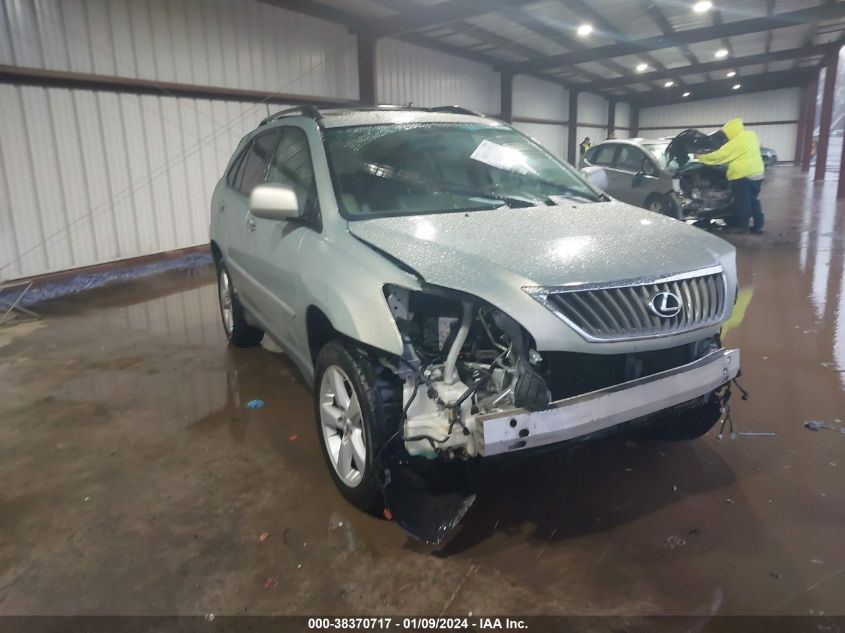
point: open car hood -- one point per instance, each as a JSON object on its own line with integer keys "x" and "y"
{"x": 692, "y": 142}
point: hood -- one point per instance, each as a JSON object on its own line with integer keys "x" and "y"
{"x": 733, "y": 128}
{"x": 483, "y": 251}
{"x": 691, "y": 142}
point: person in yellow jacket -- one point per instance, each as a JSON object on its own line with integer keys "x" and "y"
{"x": 745, "y": 172}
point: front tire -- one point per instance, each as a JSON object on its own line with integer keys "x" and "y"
{"x": 237, "y": 330}
{"x": 357, "y": 408}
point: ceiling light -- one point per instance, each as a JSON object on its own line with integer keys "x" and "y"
{"x": 732, "y": 73}
{"x": 585, "y": 29}
{"x": 641, "y": 68}
{"x": 686, "y": 94}
{"x": 737, "y": 86}
{"x": 722, "y": 52}
{"x": 669, "y": 83}
{"x": 703, "y": 6}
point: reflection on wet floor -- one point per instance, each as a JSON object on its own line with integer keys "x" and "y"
{"x": 137, "y": 480}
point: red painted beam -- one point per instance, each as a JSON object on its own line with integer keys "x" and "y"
{"x": 825, "y": 119}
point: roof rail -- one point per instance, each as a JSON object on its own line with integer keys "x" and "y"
{"x": 454, "y": 109}
{"x": 304, "y": 110}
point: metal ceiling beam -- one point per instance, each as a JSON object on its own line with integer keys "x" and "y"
{"x": 663, "y": 23}
{"x": 770, "y": 10}
{"x": 447, "y": 11}
{"x": 581, "y": 7}
{"x": 814, "y": 26}
{"x": 688, "y": 36}
{"x": 471, "y": 30}
{"x": 534, "y": 24}
{"x": 723, "y": 87}
{"x": 722, "y": 64}
{"x": 718, "y": 22}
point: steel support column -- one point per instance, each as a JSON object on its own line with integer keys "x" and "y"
{"x": 634, "y": 132}
{"x": 840, "y": 190}
{"x": 572, "y": 134}
{"x": 367, "y": 69}
{"x": 611, "y": 118}
{"x": 506, "y": 97}
{"x": 802, "y": 125}
{"x": 826, "y": 115}
{"x": 809, "y": 124}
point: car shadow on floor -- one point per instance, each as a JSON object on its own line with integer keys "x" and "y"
{"x": 585, "y": 488}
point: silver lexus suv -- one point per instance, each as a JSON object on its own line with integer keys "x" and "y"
{"x": 454, "y": 291}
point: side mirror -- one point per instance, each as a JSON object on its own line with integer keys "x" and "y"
{"x": 274, "y": 202}
{"x": 596, "y": 176}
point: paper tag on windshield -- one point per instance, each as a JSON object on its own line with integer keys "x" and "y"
{"x": 499, "y": 156}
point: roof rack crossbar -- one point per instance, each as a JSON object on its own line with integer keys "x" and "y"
{"x": 304, "y": 110}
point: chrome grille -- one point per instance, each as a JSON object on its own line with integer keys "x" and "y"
{"x": 621, "y": 311}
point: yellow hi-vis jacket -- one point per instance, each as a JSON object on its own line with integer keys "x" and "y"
{"x": 741, "y": 152}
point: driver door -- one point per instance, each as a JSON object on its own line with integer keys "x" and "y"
{"x": 273, "y": 245}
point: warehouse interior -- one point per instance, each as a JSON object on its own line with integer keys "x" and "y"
{"x": 140, "y": 479}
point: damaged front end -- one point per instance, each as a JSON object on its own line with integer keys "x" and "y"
{"x": 474, "y": 385}
{"x": 702, "y": 190}
{"x": 462, "y": 359}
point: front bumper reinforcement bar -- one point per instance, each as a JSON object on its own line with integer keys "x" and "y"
{"x": 520, "y": 429}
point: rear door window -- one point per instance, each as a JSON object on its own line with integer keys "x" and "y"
{"x": 630, "y": 159}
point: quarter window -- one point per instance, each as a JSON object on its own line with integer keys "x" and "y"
{"x": 602, "y": 155}
{"x": 291, "y": 165}
{"x": 253, "y": 169}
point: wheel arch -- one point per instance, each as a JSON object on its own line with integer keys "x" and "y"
{"x": 216, "y": 253}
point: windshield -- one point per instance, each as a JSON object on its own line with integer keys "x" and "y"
{"x": 422, "y": 168}
{"x": 658, "y": 151}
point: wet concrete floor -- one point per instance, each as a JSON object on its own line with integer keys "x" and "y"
{"x": 135, "y": 480}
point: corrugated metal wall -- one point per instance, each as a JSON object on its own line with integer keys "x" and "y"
{"x": 92, "y": 177}
{"x": 406, "y": 73}
{"x": 709, "y": 114}
{"x": 538, "y": 99}
{"x": 229, "y": 43}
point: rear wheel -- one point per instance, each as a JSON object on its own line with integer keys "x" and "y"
{"x": 238, "y": 331}
{"x": 357, "y": 406}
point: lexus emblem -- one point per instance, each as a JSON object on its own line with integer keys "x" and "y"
{"x": 665, "y": 304}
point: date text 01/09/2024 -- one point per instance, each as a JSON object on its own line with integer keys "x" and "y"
{"x": 416, "y": 623}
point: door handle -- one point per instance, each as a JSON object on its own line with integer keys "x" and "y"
{"x": 222, "y": 208}
{"x": 250, "y": 223}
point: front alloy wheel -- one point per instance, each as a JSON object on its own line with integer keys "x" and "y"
{"x": 342, "y": 426}
{"x": 237, "y": 330}
{"x": 226, "y": 309}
